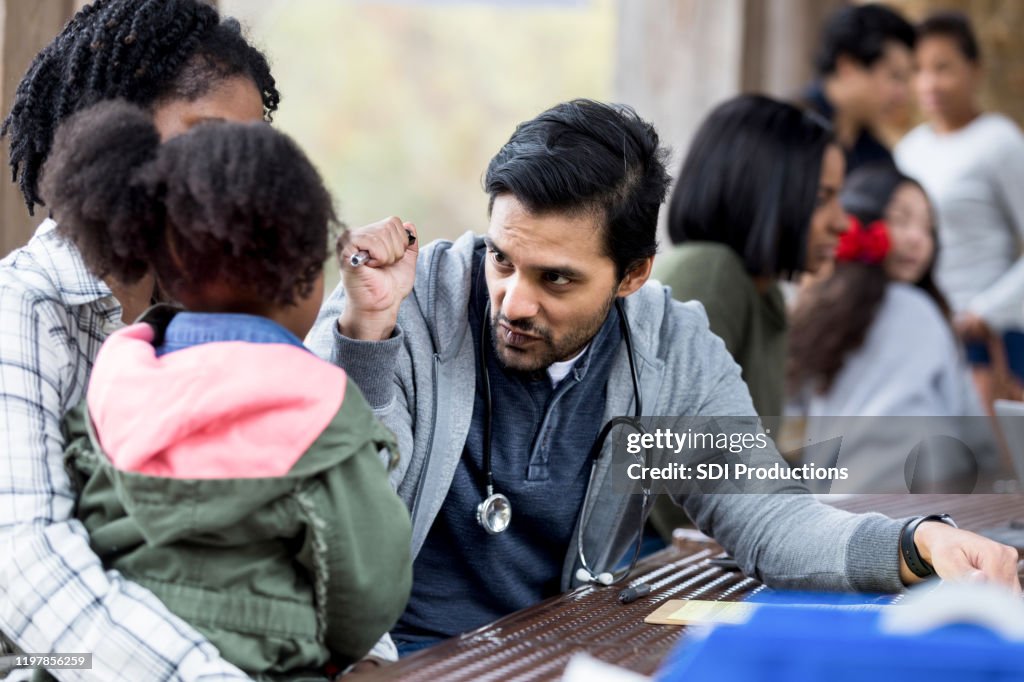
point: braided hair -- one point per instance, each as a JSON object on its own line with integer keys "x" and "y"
{"x": 142, "y": 51}
{"x": 234, "y": 205}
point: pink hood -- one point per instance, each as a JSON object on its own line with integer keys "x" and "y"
{"x": 216, "y": 410}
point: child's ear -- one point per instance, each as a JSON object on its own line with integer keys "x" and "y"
{"x": 300, "y": 317}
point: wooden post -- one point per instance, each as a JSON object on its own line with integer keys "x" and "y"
{"x": 677, "y": 59}
{"x": 780, "y": 40}
{"x": 25, "y": 28}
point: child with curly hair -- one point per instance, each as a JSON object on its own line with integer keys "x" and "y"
{"x": 219, "y": 463}
{"x": 182, "y": 62}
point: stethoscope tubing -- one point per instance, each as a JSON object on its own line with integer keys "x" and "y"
{"x": 596, "y": 448}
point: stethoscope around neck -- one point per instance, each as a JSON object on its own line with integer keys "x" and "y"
{"x": 494, "y": 513}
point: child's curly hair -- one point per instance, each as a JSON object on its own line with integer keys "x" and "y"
{"x": 231, "y": 203}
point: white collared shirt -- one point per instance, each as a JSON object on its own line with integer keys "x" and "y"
{"x": 560, "y": 370}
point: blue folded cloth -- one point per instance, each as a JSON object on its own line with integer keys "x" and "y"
{"x": 798, "y": 642}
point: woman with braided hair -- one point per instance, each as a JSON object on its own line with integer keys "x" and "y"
{"x": 167, "y": 56}
{"x": 182, "y": 64}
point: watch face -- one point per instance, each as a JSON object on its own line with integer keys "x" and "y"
{"x": 494, "y": 513}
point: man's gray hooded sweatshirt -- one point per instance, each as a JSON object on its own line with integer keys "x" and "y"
{"x": 422, "y": 380}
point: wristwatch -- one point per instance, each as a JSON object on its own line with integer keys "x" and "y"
{"x": 917, "y": 565}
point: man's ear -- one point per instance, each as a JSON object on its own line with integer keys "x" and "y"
{"x": 635, "y": 277}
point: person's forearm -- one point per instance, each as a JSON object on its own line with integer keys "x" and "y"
{"x": 365, "y": 327}
{"x": 1000, "y": 303}
{"x": 370, "y": 364}
{"x": 795, "y": 542}
{"x": 369, "y": 361}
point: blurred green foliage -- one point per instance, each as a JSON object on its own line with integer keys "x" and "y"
{"x": 402, "y": 104}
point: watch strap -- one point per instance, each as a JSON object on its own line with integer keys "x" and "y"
{"x": 917, "y": 565}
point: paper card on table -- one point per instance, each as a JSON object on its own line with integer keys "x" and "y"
{"x": 696, "y": 611}
{"x": 700, "y": 612}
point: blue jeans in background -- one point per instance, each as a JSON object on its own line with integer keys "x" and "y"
{"x": 1013, "y": 343}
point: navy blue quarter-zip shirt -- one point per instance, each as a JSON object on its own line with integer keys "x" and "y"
{"x": 541, "y": 438}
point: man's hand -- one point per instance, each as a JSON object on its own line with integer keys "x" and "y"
{"x": 960, "y": 555}
{"x": 376, "y": 289}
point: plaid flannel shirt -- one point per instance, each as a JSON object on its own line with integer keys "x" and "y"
{"x": 55, "y": 596}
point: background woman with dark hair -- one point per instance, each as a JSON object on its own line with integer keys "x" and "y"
{"x": 757, "y": 199}
{"x": 875, "y": 338}
{"x": 181, "y": 63}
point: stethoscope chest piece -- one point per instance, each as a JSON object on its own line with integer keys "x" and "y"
{"x": 494, "y": 513}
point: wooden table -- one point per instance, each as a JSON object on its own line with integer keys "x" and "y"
{"x": 536, "y": 643}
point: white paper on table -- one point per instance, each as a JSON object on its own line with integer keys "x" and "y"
{"x": 585, "y": 668}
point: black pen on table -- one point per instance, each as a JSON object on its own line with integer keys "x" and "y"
{"x": 631, "y": 594}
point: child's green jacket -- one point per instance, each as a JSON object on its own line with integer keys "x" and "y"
{"x": 242, "y": 483}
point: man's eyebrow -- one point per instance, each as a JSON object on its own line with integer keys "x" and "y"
{"x": 561, "y": 270}
{"x": 564, "y": 271}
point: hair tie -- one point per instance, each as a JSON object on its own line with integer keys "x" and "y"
{"x": 860, "y": 244}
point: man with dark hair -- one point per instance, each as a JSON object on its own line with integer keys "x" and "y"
{"x": 954, "y": 27}
{"x": 498, "y": 371}
{"x": 864, "y": 66}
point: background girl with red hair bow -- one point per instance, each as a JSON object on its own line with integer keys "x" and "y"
{"x": 875, "y": 338}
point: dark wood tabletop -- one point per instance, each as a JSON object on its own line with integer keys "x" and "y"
{"x": 536, "y": 643}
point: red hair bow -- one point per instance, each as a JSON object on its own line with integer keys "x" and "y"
{"x": 862, "y": 244}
